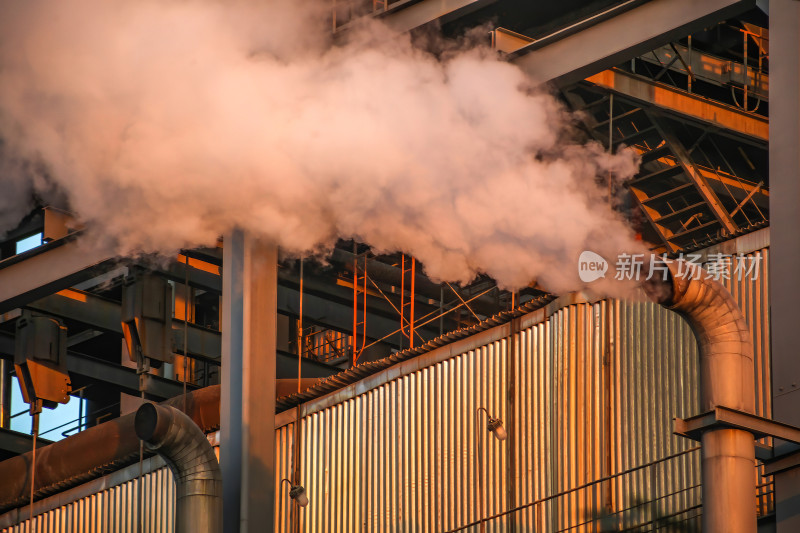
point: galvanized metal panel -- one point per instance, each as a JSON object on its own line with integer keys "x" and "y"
{"x": 596, "y": 385}
{"x": 415, "y": 436}
{"x": 752, "y": 294}
{"x": 112, "y": 510}
{"x": 656, "y": 379}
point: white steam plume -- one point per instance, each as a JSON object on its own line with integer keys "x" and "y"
{"x": 167, "y": 123}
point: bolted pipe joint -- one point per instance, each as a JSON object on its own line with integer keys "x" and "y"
{"x": 184, "y": 447}
{"x": 727, "y": 380}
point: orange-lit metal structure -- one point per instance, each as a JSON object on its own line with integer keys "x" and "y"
{"x": 578, "y": 443}
{"x": 359, "y": 306}
{"x": 381, "y": 430}
{"x": 407, "y": 297}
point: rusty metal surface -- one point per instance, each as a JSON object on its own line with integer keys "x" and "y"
{"x": 92, "y": 452}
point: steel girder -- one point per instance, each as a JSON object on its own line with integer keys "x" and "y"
{"x": 599, "y": 43}
{"x": 47, "y": 269}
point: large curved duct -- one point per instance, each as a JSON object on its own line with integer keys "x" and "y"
{"x": 726, "y": 379}
{"x": 92, "y": 453}
{"x": 191, "y": 458}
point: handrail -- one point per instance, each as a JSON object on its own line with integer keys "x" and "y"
{"x": 574, "y": 489}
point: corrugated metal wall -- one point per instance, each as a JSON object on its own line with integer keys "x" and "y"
{"x": 112, "y": 510}
{"x": 751, "y": 291}
{"x": 403, "y": 455}
{"x": 586, "y": 390}
{"x": 596, "y": 386}
{"x": 656, "y": 379}
{"x": 752, "y": 296}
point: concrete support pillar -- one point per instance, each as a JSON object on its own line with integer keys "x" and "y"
{"x": 249, "y": 334}
{"x": 784, "y": 172}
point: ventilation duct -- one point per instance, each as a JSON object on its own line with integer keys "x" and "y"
{"x": 198, "y": 479}
{"x": 92, "y": 453}
{"x": 726, "y": 380}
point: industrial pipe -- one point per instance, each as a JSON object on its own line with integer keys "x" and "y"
{"x": 726, "y": 379}
{"x": 198, "y": 479}
{"x": 92, "y": 452}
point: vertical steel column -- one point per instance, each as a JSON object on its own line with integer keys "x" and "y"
{"x": 784, "y": 173}
{"x": 5, "y": 393}
{"x": 247, "y": 415}
{"x": 511, "y": 418}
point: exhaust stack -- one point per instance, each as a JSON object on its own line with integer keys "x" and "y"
{"x": 726, "y": 379}
{"x": 191, "y": 458}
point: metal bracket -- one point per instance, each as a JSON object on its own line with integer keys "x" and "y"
{"x": 724, "y": 417}
{"x": 785, "y": 461}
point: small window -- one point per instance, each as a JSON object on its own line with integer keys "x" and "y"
{"x": 54, "y": 424}
{"x": 28, "y": 243}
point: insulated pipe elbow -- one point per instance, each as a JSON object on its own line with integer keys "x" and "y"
{"x": 723, "y": 338}
{"x": 198, "y": 478}
{"x": 726, "y": 379}
{"x": 92, "y": 453}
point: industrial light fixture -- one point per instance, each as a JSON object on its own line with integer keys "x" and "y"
{"x": 494, "y": 425}
{"x": 297, "y": 493}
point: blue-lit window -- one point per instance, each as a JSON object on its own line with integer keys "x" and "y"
{"x": 53, "y": 423}
{"x": 29, "y": 243}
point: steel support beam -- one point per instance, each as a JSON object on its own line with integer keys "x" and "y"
{"x": 156, "y": 387}
{"x": 706, "y": 67}
{"x": 5, "y": 393}
{"x": 564, "y": 58}
{"x": 98, "y": 370}
{"x": 249, "y": 342}
{"x": 105, "y": 315}
{"x": 199, "y": 279}
{"x": 410, "y": 14}
{"x": 784, "y": 171}
{"x": 335, "y": 315}
{"x": 723, "y": 417}
{"x": 674, "y": 100}
{"x": 783, "y": 463}
{"x": 48, "y": 269}
{"x": 691, "y": 170}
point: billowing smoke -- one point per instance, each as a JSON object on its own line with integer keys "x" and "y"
{"x": 165, "y": 123}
